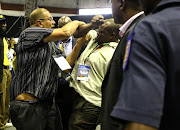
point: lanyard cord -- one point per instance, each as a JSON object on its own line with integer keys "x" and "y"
{"x": 95, "y": 49}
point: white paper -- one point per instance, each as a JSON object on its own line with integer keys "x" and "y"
{"x": 62, "y": 62}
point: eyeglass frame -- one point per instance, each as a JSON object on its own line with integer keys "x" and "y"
{"x": 50, "y": 18}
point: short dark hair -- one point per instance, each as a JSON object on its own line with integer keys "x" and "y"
{"x": 134, "y": 4}
{"x": 113, "y": 28}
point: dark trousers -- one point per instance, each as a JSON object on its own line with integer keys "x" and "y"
{"x": 85, "y": 115}
{"x": 35, "y": 116}
{"x": 64, "y": 100}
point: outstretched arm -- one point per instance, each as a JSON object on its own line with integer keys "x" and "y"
{"x": 63, "y": 33}
{"x": 84, "y": 29}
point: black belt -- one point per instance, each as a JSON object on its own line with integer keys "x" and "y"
{"x": 35, "y": 101}
{"x": 29, "y": 101}
{"x": 5, "y": 67}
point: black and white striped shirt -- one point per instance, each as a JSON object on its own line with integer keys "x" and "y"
{"x": 37, "y": 72}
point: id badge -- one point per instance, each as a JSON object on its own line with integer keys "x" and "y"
{"x": 61, "y": 62}
{"x": 9, "y": 56}
{"x": 83, "y": 72}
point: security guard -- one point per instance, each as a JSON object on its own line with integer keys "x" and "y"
{"x": 5, "y": 75}
{"x": 150, "y": 93}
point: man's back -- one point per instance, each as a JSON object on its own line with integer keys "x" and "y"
{"x": 37, "y": 63}
{"x": 153, "y": 70}
{"x": 166, "y": 26}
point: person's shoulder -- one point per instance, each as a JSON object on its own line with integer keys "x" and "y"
{"x": 38, "y": 29}
{"x": 152, "y": 20}
{"x": 113, "y": 44}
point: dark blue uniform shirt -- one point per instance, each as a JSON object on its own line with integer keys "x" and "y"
{"x": 150, "y": 92}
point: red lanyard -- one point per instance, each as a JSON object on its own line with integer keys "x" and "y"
{"x": 95, "y": 49}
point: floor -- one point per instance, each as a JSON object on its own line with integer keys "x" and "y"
{"x": 9, "y": 126}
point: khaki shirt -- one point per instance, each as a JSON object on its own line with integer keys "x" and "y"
{"x": 99, "y": 63}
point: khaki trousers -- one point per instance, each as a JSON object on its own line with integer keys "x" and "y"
{"x": 5, "y": 98}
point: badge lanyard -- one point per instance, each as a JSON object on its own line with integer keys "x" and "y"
{"x": 94, "y": 50}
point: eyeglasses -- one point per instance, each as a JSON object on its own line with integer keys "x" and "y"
{"x": 50, "y": 19}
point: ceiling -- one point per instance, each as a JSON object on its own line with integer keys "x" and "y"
{"x": 18, "y": 9}
{"x": 72, "y": 4}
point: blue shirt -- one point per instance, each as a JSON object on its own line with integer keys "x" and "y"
{"x": 150, "y": 91}
{"x": 67, "y": 45}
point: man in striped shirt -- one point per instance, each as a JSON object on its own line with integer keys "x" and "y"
{"x": 35, "y": 83}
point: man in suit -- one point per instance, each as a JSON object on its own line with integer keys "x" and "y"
{"x": 128, "y": 13}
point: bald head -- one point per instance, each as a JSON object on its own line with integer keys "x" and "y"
{"x": 37, "y": 14}
{"x": 111, "y": 26}
{"x": 63, "y": 21}
{"x": 108, "y": 32}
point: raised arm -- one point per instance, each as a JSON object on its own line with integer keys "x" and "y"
{"x": 138, "y": 126}
{"x": 84, "y": 29}
{"x": 71, "y": 58}
{"x": 65, "y": 32}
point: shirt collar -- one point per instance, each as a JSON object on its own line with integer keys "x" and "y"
{"x": 128, "y": 22}
{"x": 164, "y": 2}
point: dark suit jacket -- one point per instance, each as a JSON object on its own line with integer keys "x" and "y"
{"x": 112, "y": 82}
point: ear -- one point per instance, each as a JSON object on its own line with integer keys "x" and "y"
{"x": 122, "y": 4}
{"x": 39, "y": 23}
{"x": 113, "y": 36}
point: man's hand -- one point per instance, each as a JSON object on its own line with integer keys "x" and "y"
{"x": 97, "y": 20}
{"x": 82, "y": 40}
{"x": 83, "y": 29}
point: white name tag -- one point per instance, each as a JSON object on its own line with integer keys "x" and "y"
{"x": 61, "y": 62}
{"x": 83, "y": 72}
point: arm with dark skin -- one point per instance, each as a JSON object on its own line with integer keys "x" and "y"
{"x": 71, "y": 58}
{"x": 138, "y": 126}
{"x": 84, "y": 29}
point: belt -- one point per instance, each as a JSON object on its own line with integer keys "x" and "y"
{"x": 5, "y": 67}
{"x": 28, "y": 101}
